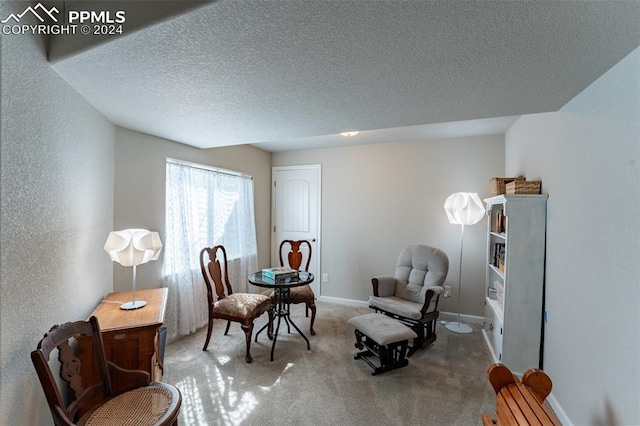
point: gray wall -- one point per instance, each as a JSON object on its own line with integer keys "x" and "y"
{"x": 56, "y": 197}
{"x": 140, "y": 165}
{"x": 376, "y": 199}
{"x": 588, "y": 157}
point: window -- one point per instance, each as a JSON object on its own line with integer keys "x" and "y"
{"x": 205, "y": 206}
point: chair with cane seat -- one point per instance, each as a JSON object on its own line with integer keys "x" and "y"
{"x": 91, "y": 399}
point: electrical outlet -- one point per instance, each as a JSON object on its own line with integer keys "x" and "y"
{"x": 325, "y": 278}
{"x": 447, "y": 291}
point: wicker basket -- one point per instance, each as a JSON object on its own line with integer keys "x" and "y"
{"x": 524, "y": 187}
{"x": 498, "y": 185}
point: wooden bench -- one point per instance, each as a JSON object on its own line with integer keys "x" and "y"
{"x": 520, "y": 402}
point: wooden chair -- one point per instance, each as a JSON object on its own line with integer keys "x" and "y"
{"x": 243, "y": 308}
{"x": 520, "y": 402}
{"x": 303, "y": 294}
{"x": 75, "y": 400}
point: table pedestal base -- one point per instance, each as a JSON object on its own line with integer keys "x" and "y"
{"x": 281, "y": 310}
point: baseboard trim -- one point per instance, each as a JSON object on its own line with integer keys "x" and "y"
{"x": 341, "y": 301}
{"x": 559, "y": 412}
{"x": 452, "y": 316}
{"x": 444, "y": 316}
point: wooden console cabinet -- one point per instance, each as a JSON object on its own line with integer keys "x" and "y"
{"x": 131, "y": 338}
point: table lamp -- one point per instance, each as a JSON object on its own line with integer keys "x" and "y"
{"x": 133, "y": 247}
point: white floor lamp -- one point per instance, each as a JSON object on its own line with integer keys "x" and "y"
{"x": 133, "y": 247}
{"x": 463, "y": 208}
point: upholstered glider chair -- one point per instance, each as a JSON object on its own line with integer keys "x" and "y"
{"x": 224, "y": 304}
{"x": 411, "y": 295}
{"x": 84, "y": 393}
{"x": 303, "y": 294}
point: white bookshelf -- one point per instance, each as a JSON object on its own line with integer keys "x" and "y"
{"x": 515, "y": 261}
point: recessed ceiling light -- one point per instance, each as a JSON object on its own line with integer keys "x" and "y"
{"x": 349, "y": 134}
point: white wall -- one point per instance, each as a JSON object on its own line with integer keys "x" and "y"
{"x": 57, "y": 203}
{"x": 140, "y": 165}
{"x": 377, "y": 199}
{"x": 588, "y": 157}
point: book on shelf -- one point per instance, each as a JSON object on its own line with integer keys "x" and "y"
{"x": 499, "y": 256}
{"x": 499, "y": 223}
{"x": 495, "y": 222}
{"x": 279, "y": 273}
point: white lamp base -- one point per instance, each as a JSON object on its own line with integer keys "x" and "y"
{"x": 458, "y": 327}
{"x": 133, "y": 305}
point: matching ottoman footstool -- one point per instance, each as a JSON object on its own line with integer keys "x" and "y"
{"x": 384, "y": 338}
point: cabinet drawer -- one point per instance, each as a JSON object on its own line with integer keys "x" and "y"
{"x": 493, "y": 328}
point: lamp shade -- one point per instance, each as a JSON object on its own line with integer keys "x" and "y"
{"x": 132, "y": 247}
{"x": 464, "y": 208}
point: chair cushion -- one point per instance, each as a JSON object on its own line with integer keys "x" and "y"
{"x": 398, "y": 306}
{"x": 242, "y": 305}
{"x": 419, "y": 267}
{"x": 382, "y": 329}
{"x": 146, "y": 405}
{"x": 302, "y": 294}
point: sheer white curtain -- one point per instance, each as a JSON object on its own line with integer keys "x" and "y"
{"x": 204, "y": 207}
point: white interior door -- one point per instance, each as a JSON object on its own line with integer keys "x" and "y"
{"x": 296, "y": 212}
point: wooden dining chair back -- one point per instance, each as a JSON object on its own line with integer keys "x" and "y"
{"x": 223, "y": 303}
{"x": 296, "y": 252}
{"x": 91, "y": 399}
{"x": 295, "y": 255}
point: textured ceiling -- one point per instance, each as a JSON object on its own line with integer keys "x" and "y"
{"x": 292, "y": 74}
